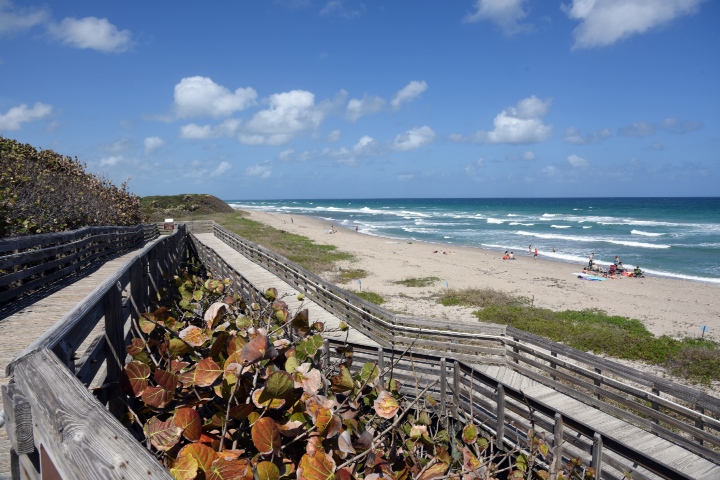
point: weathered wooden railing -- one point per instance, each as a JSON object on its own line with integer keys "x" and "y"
{"x": 33, "y": 261}
{"x": 677, "y": 413}
{"x": 55, "y": 424}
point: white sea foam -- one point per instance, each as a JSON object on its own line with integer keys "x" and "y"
{"x": 559, "y": 226}
{"x": 660, "y": 273}
{"x": 573, "y": 238}
{"x": 549, "y": 214}
{"x": 587, "y": 226}
{"x": 495, "y": 220}
{"x": 512, "y": 215}
{"x": 646, "y": 234}
{"x": 523, "y": 224}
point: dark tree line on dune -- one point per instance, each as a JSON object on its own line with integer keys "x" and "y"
{"x": 41, "y": 191}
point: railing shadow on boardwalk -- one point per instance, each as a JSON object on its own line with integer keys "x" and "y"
{"x": 59, "y": 426}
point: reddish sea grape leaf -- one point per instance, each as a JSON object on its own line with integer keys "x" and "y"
{"x": 219, "y": 344}
{"x": 166, "y": 380}
{"x": 259, "y": 348}
{"x": 343, "y": 381}
{"x": 241, "y": 412}
{"x": 203, "y": 454}
{"x": 157, "y": 397}
{"x": 322, "y": 419}
{"x": 146, "y": 323}
{"x": 137, "y": 374}
{"x": 279, "y": 384}
{"x": 176, "y": 366}
{"x": 190, "y": 422}
{"x": 317, "y": 467}
{"x": 223, "y": 469}
{"x": 213, "y": 312}
{"x": 386, "y": 406}
{"x": 136, "y": 346}
{"x": 163, "y": 435}
{"x": 235, "y": 344}
{"x": 206, "y": 372}
{"x": 193, "y": 336}
{"x": 435, "y": 471}
{"x": 185, "y": 468}
{"x": 300, "y": 322}
{"x": 267, "y": 471}
{"x": 344, "y": 473}
{"x": 266, "y": 436}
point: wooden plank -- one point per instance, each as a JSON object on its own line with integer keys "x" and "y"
{"x": 81, "y": 438}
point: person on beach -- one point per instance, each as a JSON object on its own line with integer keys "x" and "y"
{"x": 536, "y": 253}
{"x": 553, "y": 249}
{"x": 617, "y": 261}
{"x": 291, "y": 220}
{"x": 637, "y": 272}
{"x": 529, "y": 249}
{"x": 511, "y": 256}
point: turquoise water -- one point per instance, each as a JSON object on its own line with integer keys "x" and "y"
{"x": 673, "y": 237}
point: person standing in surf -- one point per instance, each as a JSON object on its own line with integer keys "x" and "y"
{"x": 536, "y": 253}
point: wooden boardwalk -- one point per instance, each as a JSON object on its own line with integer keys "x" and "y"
{"x": 669, "y": 453}
{"x": 23, "y": 322}
{"x": 262, "y": 280}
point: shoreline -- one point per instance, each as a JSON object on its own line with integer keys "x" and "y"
{"x": 666, "y": 306}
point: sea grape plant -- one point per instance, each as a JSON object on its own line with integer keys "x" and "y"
{"x": 219, "y": 387}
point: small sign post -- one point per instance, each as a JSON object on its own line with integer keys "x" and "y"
{"x": 360, "y": 285}
{"x": 169, "y": 225}
{"x": 704, "y": 329}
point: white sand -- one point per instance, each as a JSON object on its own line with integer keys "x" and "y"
{"x": 665, "y": 306}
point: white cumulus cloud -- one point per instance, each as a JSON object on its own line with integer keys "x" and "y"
{"x": 414, "y": 138}
{"x": 152, "y": 144}
{"x": 507, "y": 14}
{"x": 604, "y": 22}
{"x": 262, "y": 171}
{"x": 91, "y": 32}
{"x": 577, "y": 162}
{"x": 289, "y": 114}
{"x": 573, "y": 135}
{"x": 13, "y": 20}
{"x": 222, "y": 168}
{"x": 111, "y": 161}
{"x": 200, "y": 96}
{"x": 16, "y": 116}
{"x": 408, "y": 93}
{"x": 369, "y": 104}
{"x": 193, "y": 131}
{"x": 520, "y": 124}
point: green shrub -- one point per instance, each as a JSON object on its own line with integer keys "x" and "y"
{"x": 481, "y": 298}
{"x": 42, "y": 191}
{"x": 371, "y": 297}
{"x": 352, "y": 274}
{"x": 417, "y": 282}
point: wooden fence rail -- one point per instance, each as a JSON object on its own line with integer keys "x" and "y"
{"x": 55, "y": 424}
{"x": 34, "y": 261}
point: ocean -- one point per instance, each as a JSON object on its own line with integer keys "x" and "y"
{"x": 670, "y": 237}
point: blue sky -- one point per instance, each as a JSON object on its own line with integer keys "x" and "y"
{"x": 346, "y": 99}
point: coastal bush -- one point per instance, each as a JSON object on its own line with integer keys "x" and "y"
{"x": 42, "y": 191}
{"x": 348, "y": 275}
{"x": 480, "y": 297}
{"x": 219, "y": 389}
{"x": 181, "y": 207}
{"x": 417, "y": 282}
{"x": 616, "y": 336}
{"x": 371, "y": 297}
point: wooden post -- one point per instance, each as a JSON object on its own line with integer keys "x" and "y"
{"x": 558, "y": 442}
{"x": 553, "y": 365}
{"x": 500, "y": 427}
{"x": 381, "y": 364}
{"x": 114, "y": 347}
{"x": 456, "y": 388}
{"x": 654, "y": 404}
{"x": 18, "y": 420}
{"x": 516, "y": 350}
{"x": 326, "y": 354}
{"x": 597, "y": 455}
{"x": 699, "y": 422}
{"x": 443, "y": 387}
{"x": 598, "y": 382}
{"x": 135, "y": 290}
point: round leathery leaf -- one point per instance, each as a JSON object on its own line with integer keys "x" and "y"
{"x": 278, "y": 385}
{"x": 137, "y": 374}
{"x": 190, "y": 422}
{"x": 227, "y": 469}
{"x": 185, "y": 468}
{"x": 267, "y": 471}
{"x": 163, "y": 435}
{"x": 266, "y": 436}
{"x": 207, "y": 372}
{"x": 317, "y": 467}
{"x": 193, "y": 336}
{"x": 386, "y": 406}
{"x": 259, "y": 348}
{"x": 203, "y": 454}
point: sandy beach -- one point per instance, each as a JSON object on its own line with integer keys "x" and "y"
{"x": 665, "y": 306}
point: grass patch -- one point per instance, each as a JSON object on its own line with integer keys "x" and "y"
{"x": 371, "y": 297}
{"x": 352, "y": 274}
{"x": 417, "y": 282}
{"x": 299, "y": 249}
{"x": 480, "y": 298}
{"x": 620, "y": 337}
